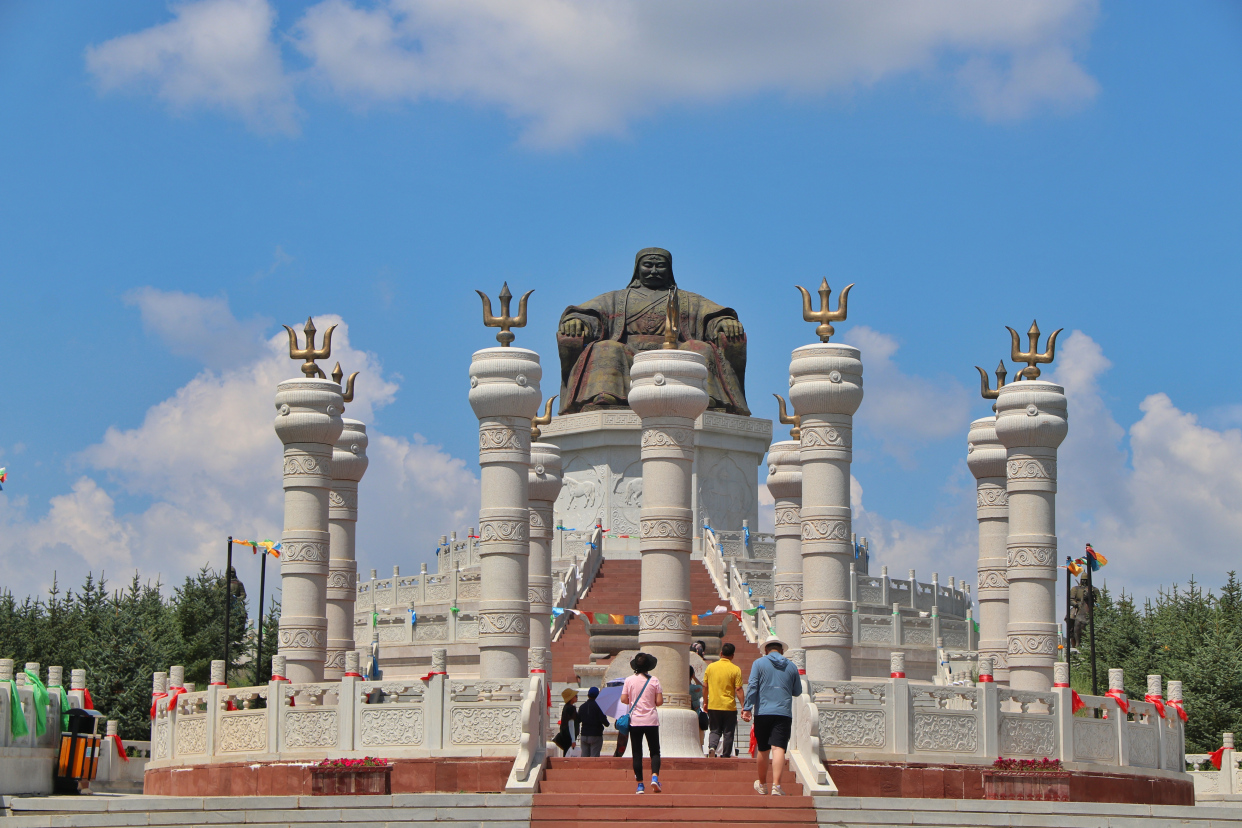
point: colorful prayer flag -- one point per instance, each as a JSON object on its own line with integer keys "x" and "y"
{"x": 1075, "y": 567}
{"x": 631, "y": 619}
{"x": 1095, "y": 558}
{"x": 4, "y": 475}
{"x": 617, "y": 619}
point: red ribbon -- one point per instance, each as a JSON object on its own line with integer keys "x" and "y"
{"x": 433, "y": 673}
{"x": 548, "y": 684}
{"x": 984, "y": 678}
{"x": 1120, "y": 697}
{"x": 1176, "y": 704}
{"x": 1076, "y": 702}
{"x": 354, "y": 675}
{"x": 278, "y": 678}
{"x": 89, "y": 703}
{"x": 120, "y": 748}
{"x": 155, "y": 700}
{"x": 1157, "y": 701}
{"x": 896, "y": 675}
{"x": 173, "y": 692}
{"x": 1217, "y": 756}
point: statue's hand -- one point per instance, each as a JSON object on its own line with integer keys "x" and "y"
{"x": 573, "y": 327}
{"x": 731, "y": 329}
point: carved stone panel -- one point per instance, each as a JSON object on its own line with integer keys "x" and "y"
{"x": 485, "y": 725}
{"x": 1095, "y": 741}
{"x": 945, "y": 732}
{"x": 310, "y": 728}
{"x": 1027, "y": 737}
{"x": 1143, "y": 746}
{"x": 243, "y": 733}
{"x": 391, "y": 725}
{"x": 191, "y": 735}
{"x": 852, "y": 728}
{"x": 160, "y": 749}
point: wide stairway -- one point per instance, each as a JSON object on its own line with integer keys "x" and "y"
{"x": 616, "y": 590}
{"x": 595, "y": 792}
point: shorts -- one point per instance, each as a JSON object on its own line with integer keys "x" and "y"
{"x": 772, "y": 731}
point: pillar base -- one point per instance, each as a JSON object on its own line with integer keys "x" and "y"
{"x": 679, "y": 733}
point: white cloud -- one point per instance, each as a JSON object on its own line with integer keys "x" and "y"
{"x": 215, "y": 54}
{"x": 901, "y": 410}
{"x": 202, "y": 327}
{"x": 206, "y": 463}
{"x": 567, "y": 69}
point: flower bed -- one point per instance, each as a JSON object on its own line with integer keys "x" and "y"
{"x": 1039, "y": 780}
{"x": 351, "y": 776}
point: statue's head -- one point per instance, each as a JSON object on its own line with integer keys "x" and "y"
{"x": 653, "y": 268}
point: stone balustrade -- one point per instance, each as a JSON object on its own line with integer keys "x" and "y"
{"x": 416, "y": 717}
{"x": 880, "y": 720}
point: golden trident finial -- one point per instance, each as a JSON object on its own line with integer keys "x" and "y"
{"x": 310, "y": 353}
{"x": 823, "y": 316}
{"x": 795, "y": 433}
{"x": 347, "y": 393}
{"x": 504, "y": 321}
{"x": 1032, "y": 357}
{"x": 672, "y": 315}
{"x": 543, "y": 420}
{"x": 986, "y": 392}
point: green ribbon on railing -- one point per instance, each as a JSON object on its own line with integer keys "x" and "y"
{"x": 64, "y": 708}
{"x": 40, "y": 702}
{"x": 17, "y": 719}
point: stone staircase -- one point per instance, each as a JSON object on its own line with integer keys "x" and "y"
{"x": 866, "y": 812}
{"x": 404, "y": 810}
{"x": 577, "y": 793}
{"x": 616, "y": 589}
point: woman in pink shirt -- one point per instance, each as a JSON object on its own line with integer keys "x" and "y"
{"x": 641, "y": 695}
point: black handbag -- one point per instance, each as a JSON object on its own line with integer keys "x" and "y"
{"x": 704, "y": 722}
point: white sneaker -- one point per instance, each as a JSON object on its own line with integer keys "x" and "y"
{"x": 776, "y": 791}
{"x": 711, "y": 753}
{"x": 760, "y": 788}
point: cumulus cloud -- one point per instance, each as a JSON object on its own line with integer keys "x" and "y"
{"x": 196, "y": 326}
{"x": 206, "y": 463}
{"x": 566, "y": 69}
{"x": 215, "y": 54}
{"x": 901, "y": 410}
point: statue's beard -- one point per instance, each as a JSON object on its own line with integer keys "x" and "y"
{"x": 654, "y": 282}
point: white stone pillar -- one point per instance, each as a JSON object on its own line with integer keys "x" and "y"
{"x": 1031, "y": 423}
{"x": 667, "y": 392}
{"x": 545, "y": 486}
{"x": 986, "y": 458}
{"x": 308, "y": 422}
{"x": 785, "y": 486}
{"x": 349, "y": 464}
{"x": 504, "y": 393}
{"x": 826, "y": 389}
{"x": 55, "y": 675}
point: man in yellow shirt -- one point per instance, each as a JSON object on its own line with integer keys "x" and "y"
{"x": 723, "y": 680}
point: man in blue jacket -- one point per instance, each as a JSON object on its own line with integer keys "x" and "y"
{"x": 774, "y": 681}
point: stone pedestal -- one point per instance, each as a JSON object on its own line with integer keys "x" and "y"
{"x": 504, "y": 393}
{"x": 600, "y": 454}
{"x": 308, "y": 422}
{"x": 1031, "y": 423}
{"x": 667, "y": 391}
{"x": 986, "y": 458}
{"x": 785, "y": 485}
{"x": 826, "y": 389}
{"x": 545, "y": 485}
{"x": 349, "y": 464}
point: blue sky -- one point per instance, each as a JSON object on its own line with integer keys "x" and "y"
{"x": 176, "y": 181}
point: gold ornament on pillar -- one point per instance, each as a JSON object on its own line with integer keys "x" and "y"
{"x": 310, "y": 353}
{"x": 992, "y": 393}
{"x": 542, "y": 420}
{"x": 504, "y": 321}
{"x": 823, "y": 316}
{"x": 1033, "y": 358}
{"x": 347, "y": 390}
{"x": 795, "y": 433}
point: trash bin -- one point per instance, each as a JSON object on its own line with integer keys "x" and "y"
{"x": 79, "y": 751}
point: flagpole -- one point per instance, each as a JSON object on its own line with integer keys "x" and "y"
{"x": 1090, "y": 598}
{"x": 228, "y": 607}
{"x": 258, "y": 658}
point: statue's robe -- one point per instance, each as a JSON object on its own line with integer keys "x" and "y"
{"x": 595, "y": 369}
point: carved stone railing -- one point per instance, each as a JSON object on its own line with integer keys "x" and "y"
{"x": 950, "y": 602}
{"x": 451, "y": 589}
{"x": 573, "y": 586}
{"x": 532, "y": 748}
{"x": 1212, "y": 784}
{"x": 884, "y": 719}
{"x": 434, "y": 715}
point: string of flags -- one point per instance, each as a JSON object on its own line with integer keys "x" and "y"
{"x": 620, "y": 618}
{"x": 1091, "y": 559}
{"x": 269, "y": 546}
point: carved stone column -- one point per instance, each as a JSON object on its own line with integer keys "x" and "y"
{"x": 785, "y": 485}
{"x": 986, "y": 457}
{"x": 667, "y": 392}
{"x": 826, "y": 389}
{"x": 308, "y": 422}
{"x": 349, "y": 464}
{"x": 545, "y": 485}
{"x": 504, "y": 393}
{"x": 1031, "y": 423}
